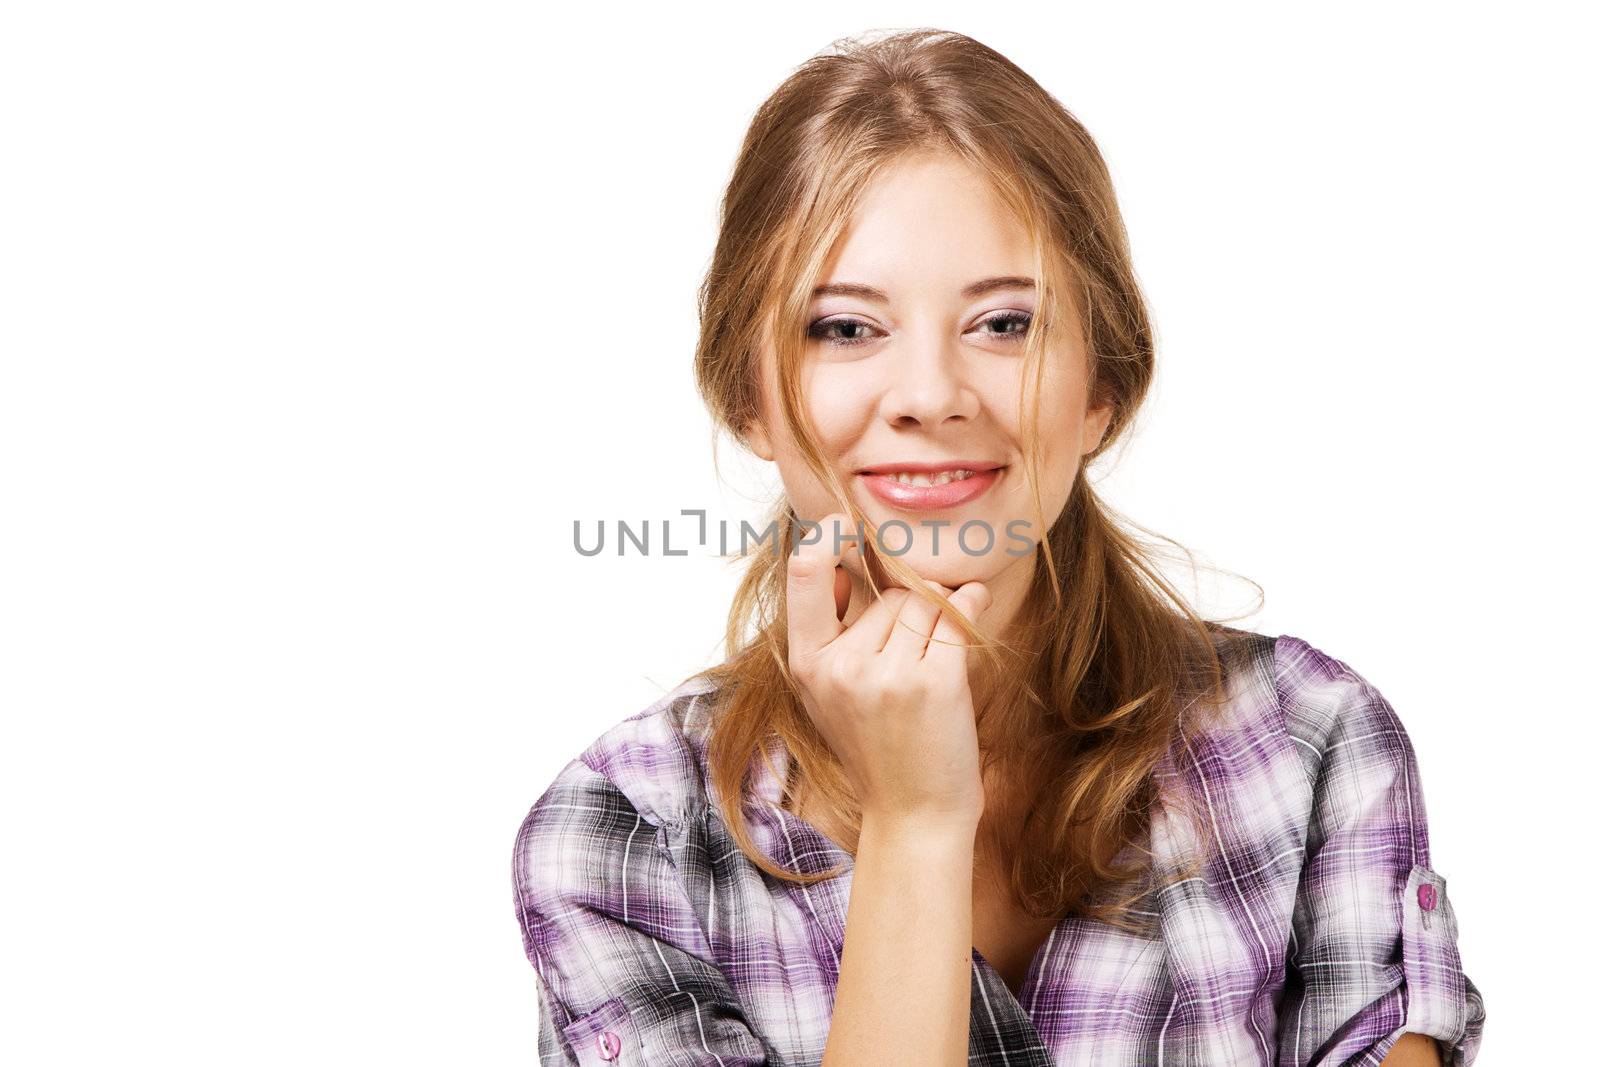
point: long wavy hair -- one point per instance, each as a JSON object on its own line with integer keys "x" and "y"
{"x": 1106, "y": 669}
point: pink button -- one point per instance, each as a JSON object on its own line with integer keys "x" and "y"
{"x": 1427, "y": 896}
{"x": 610, "y": 1045}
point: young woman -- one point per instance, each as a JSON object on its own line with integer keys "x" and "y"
{"x": 973, "y": 784}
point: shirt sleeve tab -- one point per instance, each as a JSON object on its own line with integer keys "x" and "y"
{"x": 603, "y": 1037}
{"x": 1436, "y": 995}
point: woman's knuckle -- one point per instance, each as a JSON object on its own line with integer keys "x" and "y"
{"x": 802, "y": 666}
{"x": 841, "y": 671}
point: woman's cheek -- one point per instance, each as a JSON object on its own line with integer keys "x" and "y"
{"x": 840, "y": 409}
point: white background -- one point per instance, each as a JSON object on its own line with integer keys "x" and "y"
{"x": 322, "y": 322}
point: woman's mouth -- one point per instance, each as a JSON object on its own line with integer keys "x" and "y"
{"x": 930, "y": 487}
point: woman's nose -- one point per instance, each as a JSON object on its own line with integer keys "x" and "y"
{"x": 928, "y": 386}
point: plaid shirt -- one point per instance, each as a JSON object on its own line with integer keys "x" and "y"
{"x": 1318, "y": 933}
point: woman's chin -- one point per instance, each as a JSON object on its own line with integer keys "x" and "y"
{"x": 952, "y": 572}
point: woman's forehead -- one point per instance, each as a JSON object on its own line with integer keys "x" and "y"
{"x": 936, "y": 225}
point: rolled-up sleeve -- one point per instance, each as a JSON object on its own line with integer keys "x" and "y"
{"x": 1374, "y": 952}
{"x": 622, "y": 966}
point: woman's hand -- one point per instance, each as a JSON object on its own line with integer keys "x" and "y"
{"x": 894, "y": 707}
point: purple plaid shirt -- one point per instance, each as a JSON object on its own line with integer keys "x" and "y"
{"x": 1318, "y": 933}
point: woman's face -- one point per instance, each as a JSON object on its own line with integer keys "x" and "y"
{"x": 912, "y": 374}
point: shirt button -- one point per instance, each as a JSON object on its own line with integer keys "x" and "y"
{"x": 610, "y": 1045}
{"x": 1427, "y": 896}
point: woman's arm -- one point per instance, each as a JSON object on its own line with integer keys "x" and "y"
{"x": 1375, "y": 962}
{"x": 1413, "y": 1050}
{"x": 890, "y": 696}
{"x": 625, "y": 973}
{"x": 905, "y": 979}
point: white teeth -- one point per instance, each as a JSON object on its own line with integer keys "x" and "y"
{"x": 941, "y": 478}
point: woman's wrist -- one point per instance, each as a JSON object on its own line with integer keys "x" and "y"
{"x": 934, "y": 831}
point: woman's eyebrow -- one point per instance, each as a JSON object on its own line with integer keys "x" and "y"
{"x": 989, "y": 285}
{"x": 976, "y": 289}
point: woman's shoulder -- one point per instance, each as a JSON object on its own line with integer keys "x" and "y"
{"x": 1325, "y": 702}
{"x": 1283, "y": 694}
{"x": 653, "y": 759}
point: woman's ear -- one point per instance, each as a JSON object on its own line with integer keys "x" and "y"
{"x": 1094, "y": 426}
{"x": 755, "y": 438}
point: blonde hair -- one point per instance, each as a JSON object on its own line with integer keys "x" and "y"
{"x": 1093, "y": 689}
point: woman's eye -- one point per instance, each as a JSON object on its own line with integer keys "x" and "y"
{"x": 843, "y": 332}
{"x": 1009, "y": 324}
{"x": 830, "y": 330}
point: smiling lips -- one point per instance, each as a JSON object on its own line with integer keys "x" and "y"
{"x": 930, "y": 486}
